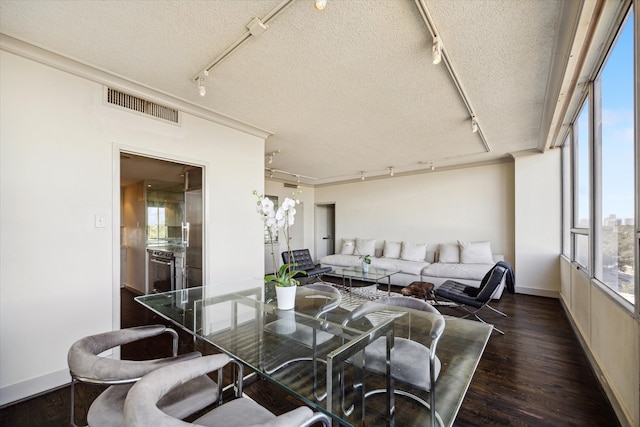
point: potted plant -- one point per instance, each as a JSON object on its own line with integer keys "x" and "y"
{"x": 283, "y": 218}
{"x": 366, "y": 261}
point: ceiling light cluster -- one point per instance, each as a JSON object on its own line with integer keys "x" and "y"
{"x": 270, "y": 156}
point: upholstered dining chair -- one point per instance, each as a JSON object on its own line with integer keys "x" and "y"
{"x": 465, "y": 296}
{"x": 141, "y": 407}
{"x": 412, "y": 362}
{"x": 306, "y": 335}
{"x": 107, "y": 409}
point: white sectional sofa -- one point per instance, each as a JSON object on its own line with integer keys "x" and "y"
{"x": 464, "y": 262}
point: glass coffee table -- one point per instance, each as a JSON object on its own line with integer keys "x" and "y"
{"x": 374, "y": 275}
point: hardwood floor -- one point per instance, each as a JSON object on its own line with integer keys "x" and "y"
{"x": 534, "y": 375}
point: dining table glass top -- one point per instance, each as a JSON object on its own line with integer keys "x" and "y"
{"x": 311, "y": 356}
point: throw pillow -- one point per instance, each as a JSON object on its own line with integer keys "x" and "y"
{"x": 449, "y": 253}
{"x": 365, "y": 247}
{"x": 475, "y": 253}
{"x": 348, "y": 246}
{"x": 391, "y": 249}
{"x": 413, "y": 251}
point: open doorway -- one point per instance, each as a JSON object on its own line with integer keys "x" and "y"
{"x": 161, "y": 224}
{"x": 325, "y": 230}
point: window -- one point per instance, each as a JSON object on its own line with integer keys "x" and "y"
{"x": 600, "y": 176}
{"x": 615, "y": 239}
{"x": 566, "y": 198}
{"x": 156, "y": 224}
{"x": 581, "y": 176}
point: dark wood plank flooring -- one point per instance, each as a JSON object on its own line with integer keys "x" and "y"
{"x": 534, "y": 375}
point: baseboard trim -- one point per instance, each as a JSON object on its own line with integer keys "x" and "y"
{"x": 33, "y": 387}
{"x": 538, "y": 292}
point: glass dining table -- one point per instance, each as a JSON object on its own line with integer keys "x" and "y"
{"x": 320, "y": 369}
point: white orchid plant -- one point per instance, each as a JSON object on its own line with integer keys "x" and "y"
{"x": 282, "y": 219}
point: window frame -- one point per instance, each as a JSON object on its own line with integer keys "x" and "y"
{"x": 592, "y": 93}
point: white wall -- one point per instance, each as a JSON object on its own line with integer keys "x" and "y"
{"x": 538, "y": 223}
{"x": 471, "y": 204}
{"x": 59, "y": 168}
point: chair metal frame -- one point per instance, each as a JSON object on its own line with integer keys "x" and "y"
{"x": 321, "y": 286}
{"x": 460, "y": 303}
{"x": 397, "y": 304}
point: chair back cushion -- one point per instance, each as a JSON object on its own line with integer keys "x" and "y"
{"x": 85, "y": 363}
{"x": 489, "y": 288}
{"x": 140, "y": 407}
{"x": 302, "y": 257}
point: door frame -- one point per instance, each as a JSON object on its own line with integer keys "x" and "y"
{"x": 330, "y": 207}
{"x": 118, "y": 149}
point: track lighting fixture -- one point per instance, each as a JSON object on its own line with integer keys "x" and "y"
{"x": 201, "y": 89}
{"x": 270, "y": 156}
{"x": 474, "y": 124}
{"x": 390, "y": 171}
{"x": 298, "y": 176}
{"x": 433, "y": 167}
{"x": 436, "y": 52}
{"x": 256, "y": 27}
{"x": 362, "y": 175}
{"x": 320, "y": 4}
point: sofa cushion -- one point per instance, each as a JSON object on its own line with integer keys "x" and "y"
{"x": 340, "y": 260}
{"x": 449, "y": 253}
{"x": 413, "y": 251}
{"x": 475, "y": 253}
{"x": 391, "y": 249}
{"x": 348, "y": 246}
{"x": 365, "y": 247}
{"x": 410, "y": 267}
{"x": 457, "y": 271}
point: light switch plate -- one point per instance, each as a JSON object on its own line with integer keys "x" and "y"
{"x": 100, "y": 223}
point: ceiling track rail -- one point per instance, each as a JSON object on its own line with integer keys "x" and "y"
{"x": 242, "y": 40}
{"x": 426, "y": 17}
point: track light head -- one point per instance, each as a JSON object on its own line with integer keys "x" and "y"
{"x": 362, "y": 175}
{"x": 474, "y": 124}
{"x": 436, "y": 50}
{"x": 320, "y": 4}
{"x": 202, "y": 90}
{"x": 433, "y": 167}
{"x": 390, "y": 171}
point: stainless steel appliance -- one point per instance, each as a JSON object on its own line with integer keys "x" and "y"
{"x": 192, "y": 228}
{"x": 162, "y": 271}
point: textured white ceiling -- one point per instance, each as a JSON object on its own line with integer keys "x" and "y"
{"x": 345, "y": 90}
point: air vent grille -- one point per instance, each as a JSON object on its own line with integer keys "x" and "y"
{"x": 130, "y": 102}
